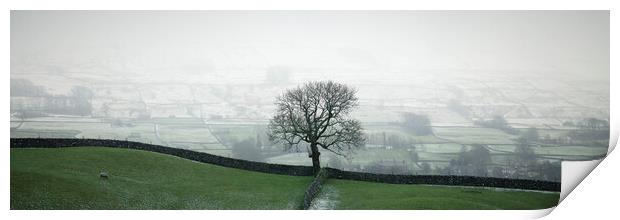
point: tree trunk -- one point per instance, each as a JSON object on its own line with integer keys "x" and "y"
{"x": 316, "y": 164}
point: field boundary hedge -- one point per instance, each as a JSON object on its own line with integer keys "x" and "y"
{"x": 290, "y": 169}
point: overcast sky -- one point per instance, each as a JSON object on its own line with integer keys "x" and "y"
{"x": 571, "y": 42}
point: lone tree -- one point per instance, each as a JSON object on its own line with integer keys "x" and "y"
{"x": 316, "y": 114}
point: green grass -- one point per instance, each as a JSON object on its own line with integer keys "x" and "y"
{"x": 399, "y": 131}
{"x": 234, "y": 132}
{"x": 36, "y": 133}
{"x": 68, "y": 178}
{"x": 175, "y": 120}
{"x": 198, "y": 133}
{"x": 571, "y": 150}
{"x": 366, "y": 195}
{"x": 553, "y": 133}
{"x": 87, "y": 130}
{"x": 474, "y": 135}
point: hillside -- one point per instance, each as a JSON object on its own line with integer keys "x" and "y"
{"x": 68, "y": 178}
{"x": 367, "y": 195}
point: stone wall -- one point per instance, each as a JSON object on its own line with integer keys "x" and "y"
{"x": 290, "y": 169}
{"x": 447, "y": 180}
{"x": 187, "y": 154}
{"x": 314, "y": 188}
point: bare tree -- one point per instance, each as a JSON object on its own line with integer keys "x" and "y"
{"x": 316, "y": 114}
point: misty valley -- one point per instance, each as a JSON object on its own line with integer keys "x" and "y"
{"x": 441, "y": 125}
{"x": 437, "y": 110}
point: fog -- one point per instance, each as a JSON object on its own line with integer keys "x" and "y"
{"x": 553, "y": 42}
{"x": 147, "y": 75}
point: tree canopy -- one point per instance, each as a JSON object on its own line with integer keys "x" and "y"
{"x": 316, "y": 114}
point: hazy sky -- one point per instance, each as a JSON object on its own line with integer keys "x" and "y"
{"x": 575, "y": 42}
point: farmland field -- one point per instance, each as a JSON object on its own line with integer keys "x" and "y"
{"x": 44, "y": 133}
{"x": 188, "y": 134}
{"x": 474, "y": 135}
{"x": 365, "y": 195}
{"x": 233, "y": 132}
{"x": 406, "y": 93}
{"x": 78, "y": 128}
{"x": 217, "y": 138}
{"x": 397, "y": 130}
{"x": 68, "y": 178}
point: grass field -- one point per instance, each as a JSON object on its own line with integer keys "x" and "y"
{"x": 196, "y": 133}
{"x": 233, "y": 133}
{"x": 36, "y": 133}
{"x": 68, "y": 178}
{"x": 193, "y": 134}
{"x": 87, "y": 129}
{"x": 398, "y": 131}
{"x": 474, "y": 135}
{"x": 366, "y": 195}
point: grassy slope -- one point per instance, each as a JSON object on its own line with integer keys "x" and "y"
{"x": 366, "y": 195}
{"x": 68, "y": 178}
